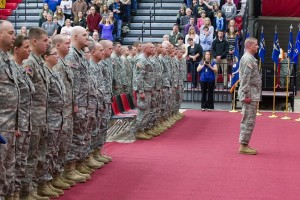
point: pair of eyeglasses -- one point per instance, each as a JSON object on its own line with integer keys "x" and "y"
{"x": 53, "y": 54}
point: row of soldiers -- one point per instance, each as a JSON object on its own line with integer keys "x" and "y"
{"x": 56, "y": 104}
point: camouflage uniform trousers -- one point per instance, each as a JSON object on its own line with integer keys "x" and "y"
{"x": 155, "y": 108}
{"x": 173, "y": 101}
{"x": 104, "y": 125}
{"x": 7, "y": 164}
{"x": 143, "y": 111}
{"x": 178, "y": 99}
{"x": 248, "y": 121}
{"x": 64, "y": 148}
{"x": 165, "y": 103}
{"x": 78, "y": 147}
{"x": 22, "y": 147}
{"x": 92, "y": 128}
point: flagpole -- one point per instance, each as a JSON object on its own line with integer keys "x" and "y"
{"x": 274, "y": 94}
{"x": 257, "y": 111}
{"x": 233, "y": 103}
{"x": 287, "y": 93}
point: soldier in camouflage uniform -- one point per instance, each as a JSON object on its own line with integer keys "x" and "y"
{"x": 107, "y": 73}
{"x": 127, "y": 68}
{"x": 78, "y": 64}
{"x": 182, "y": 78}
{"x": 145, "y": 87}
{"x": 36, "y": 70}
{"x": 119, "y": 72}
{"x": 54, "y": 119}
{"x": 21, "y": 52}
{"x": 249, "y": 94}
{"x": 9, "y": 96}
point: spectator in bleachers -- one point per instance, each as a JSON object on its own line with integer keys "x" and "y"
{"x": 202, "y": 5}
{"x": 106, "y": 26}
{"x": 66, "y": 6}
{"x": 93, "y": 20}
{"x": 23, "y": 31}
{"x": 95, "y": 36}
{"x": 201, "y": 20}
{"x": 215, "y": 2}
{"x": 166, "y": 38}
{"x": 134, "y": 4}
{"x": 195, "y": 53}
{"x": 127, "y": 14}
{"x": 184, "y": 20}
{"x": 80, "y": 20}
{"x": 220, "y": 49}
{"x": 45, "y": 8}
{"x": 43, "y": 18}
{"x": 194, "y": 4}
{"x": 207, "y": 23}
{"x": 104, "y": 11}
{"x": 232, "y": 23}
{"x": 181, "y": 13}
{"x": 79, "y": 6}
{"x": 49, "y": 26}
{"x": 97, "y": 4}
{"x": 173, "y": 36}
{"x": 67, "y": 28}
{"x": 192, "y": 34}
{"x": 229, "y": 10}
{"x": 189, "y": 3}
{"x": 60, "y": 16}
{"x": 219, "y": 22}
{"x": 206, "y": 39}
{"x": 55, "y": 20}
{"x": 191, "y": 24}
{"x": 230, "y": 37}
{"x": 50, "y": 5}
{"x": 118, "y": 9}
{"x": 111, "y": 17}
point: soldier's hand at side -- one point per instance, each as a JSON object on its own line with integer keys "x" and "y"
{"x": 17, "y": 133}
{"x": 75, "y": 109}
{"x": 124, "y": 86}
{"x": 116, "y": 87}
{"x": 142, "y": 95}
{"x": 247, "y": 100}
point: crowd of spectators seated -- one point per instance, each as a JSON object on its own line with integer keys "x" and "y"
{"x": 110, "y": 19}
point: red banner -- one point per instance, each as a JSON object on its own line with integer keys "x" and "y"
{"x": 281, "y": 8}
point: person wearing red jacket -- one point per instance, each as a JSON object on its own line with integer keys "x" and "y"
{"x": 93, "y": 20}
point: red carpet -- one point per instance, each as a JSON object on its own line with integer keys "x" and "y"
{"x": 197, "y": 160}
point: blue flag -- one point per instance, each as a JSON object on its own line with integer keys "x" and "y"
{"x": 262, "y": 47}
{"x": 276, "y": 49}
{"x": 290, "y": 51}
{"x": 296, "y": 48}
{"x": 235, "y": 68}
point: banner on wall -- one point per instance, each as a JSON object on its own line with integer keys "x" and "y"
{"x": 280, "y": 8}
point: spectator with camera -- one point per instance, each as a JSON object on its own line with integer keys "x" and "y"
{"x": 207, "y": 69}
{"x": 106, "y": 26}
{"x": 118, "y": 9}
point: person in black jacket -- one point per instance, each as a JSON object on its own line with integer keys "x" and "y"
{"x": 220, "y": 48}
{"x": 118, "y": 9}
{"x": 195, "y": 54}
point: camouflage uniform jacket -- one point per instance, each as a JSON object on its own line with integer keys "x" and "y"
{"x": 145, "y": 75}
{"x": 26, "y": 91}
{"x": 9, "y": 95}
{"x": 166, "y": 75}
{"x": 119, "y": 72}
{"x": 107, "y": 79}
{"x": 36, "y": 70}
{"x": 79, "y": 64}
{"x": 67, "y": 77}
{"x": 134, "y": 71}
{"x": 174, "y": 71}
{"x": 250, "y": 78}
{"x": 93, "y": 94}
{"x": 55, "y": 100}
{"x": 128, "y": 70}
{"x": 182, "y": 71}
{"x": 158, "y": 70}
{"x": 96, "y": 69}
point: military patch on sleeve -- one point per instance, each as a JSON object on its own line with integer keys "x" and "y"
{"x": 28, "y": 70}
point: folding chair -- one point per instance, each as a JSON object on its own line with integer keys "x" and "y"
{"x": 126, "y": 105}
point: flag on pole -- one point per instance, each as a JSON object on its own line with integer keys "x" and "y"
{"x": 235, "y": 68}
{"x": 290, "y": 51}
{"x": 296, "y": 48}
{"x": 276, "y": 48}
{"x": 262, "y": 46}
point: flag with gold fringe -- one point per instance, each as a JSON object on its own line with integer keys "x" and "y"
{"x": 235, "y": 68}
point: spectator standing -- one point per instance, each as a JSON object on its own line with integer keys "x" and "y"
{"x": 43, "y": 18}
{"x": 49, "y": 26}
{"x": 106, "y": 26}
{"x": 206, "y": 39}
{"x": 55, "y": 20}
{"x": 194, "y": 57}
{"x": 23, "y": 31}
{"x": 180, "y": 14}
{"x": 208, "y": 24}
{"x": 46, "y": 8}
{"x": 207, "y": 70}
{"x": 192, "y": 34}
{"x": 219, "y": 51}
{"x": 59, "y": 15}
{"x": 80, "y": 20}
{"x": 201, "y": 20}
{"x": 111, "y": 17}
{"x": 79, "y": 6}
{"x": 230, "y": 37}
{"x": 184, "y": 20}
{"x": 191, "y": 24}
{"x": 173, "y": 36}
{"x": 202, "y": 5}
{"x": 219, "y": 22}
{"x": 93, "y": 20}
{"x": 67, "y": 28}
{"x": 118, "y": 10}
{"x": 66, "y": 6}
{"x": 104, "y": 12}
{"x": 52, "y": 4}
{"x": 127, "y": 6}
{"x": 229, "y": 9}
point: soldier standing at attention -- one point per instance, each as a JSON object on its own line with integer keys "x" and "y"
{"x": 9, "y": 96}
{"x": 21, "y": 52}
{"x": 36, "y": 161}
{"x": 127, "y": 69}
{"x": 78, "y": 64}
{"x": 249, "y": 93}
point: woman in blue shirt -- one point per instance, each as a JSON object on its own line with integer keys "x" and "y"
{"x": 207, "y": 69}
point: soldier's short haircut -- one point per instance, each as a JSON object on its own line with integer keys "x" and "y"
{"x": 19, "y": 42}
{"x": 136, "y": 44}
{"x": 36, "y": 33}
{"x": 116, "y": 43}
{"x": 129, "y": 47}
{"x": 249, "y": 41}
{"x": 76, "y": 29}
{"x": 58, "y": 39}
{"x": 105, "y": 43}
{"x": 91, "y": 45}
